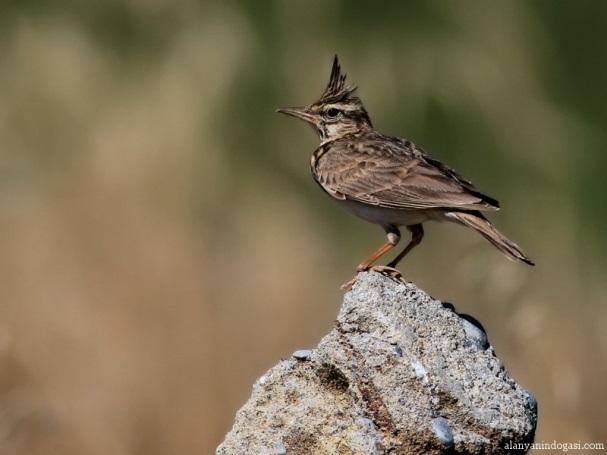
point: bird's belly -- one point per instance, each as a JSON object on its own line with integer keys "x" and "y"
{"x": 386, "y": 216}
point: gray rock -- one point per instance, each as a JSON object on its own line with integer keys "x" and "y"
{"x": 397, "y": 374}
{"x": 302, "y": 354}
{"x": 443, "y": 431}
{"x": 475, "y": 331}
{"x": 280, "y": 448}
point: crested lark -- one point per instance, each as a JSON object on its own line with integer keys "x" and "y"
{"x": 387, "y": 180}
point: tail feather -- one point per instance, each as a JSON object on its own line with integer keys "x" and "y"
{"x": 479, "y": 223}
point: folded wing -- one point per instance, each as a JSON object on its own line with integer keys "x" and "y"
{"x": 395, "y": 175}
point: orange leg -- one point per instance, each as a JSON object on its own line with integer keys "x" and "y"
{"x": 393, "y": 235}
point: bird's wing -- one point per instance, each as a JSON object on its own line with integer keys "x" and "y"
{"x": 395, "y": 174}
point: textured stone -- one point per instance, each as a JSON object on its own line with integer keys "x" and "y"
{"x": 400, "y": 373}
{"x": 302, "y": 354}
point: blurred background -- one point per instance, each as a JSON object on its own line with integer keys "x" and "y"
{"x": 163, "y": 243}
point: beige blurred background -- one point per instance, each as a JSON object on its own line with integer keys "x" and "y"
{"x": 163, "y": 243}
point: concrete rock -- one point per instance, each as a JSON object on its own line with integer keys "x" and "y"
{"x": 400, "y": 373}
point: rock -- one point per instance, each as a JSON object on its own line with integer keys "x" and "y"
{"x": 400, "y": 373}
{"x": 443, "y": 432}
{"x": 302, "y": 354}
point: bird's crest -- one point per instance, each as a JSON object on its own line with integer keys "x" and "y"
{"x": 337, "y": 90}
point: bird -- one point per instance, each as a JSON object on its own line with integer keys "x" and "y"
{"x": 389, "y": 181}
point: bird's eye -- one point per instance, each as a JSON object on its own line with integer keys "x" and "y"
{"x": 333, "y": 112}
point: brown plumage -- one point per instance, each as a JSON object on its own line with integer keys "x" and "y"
{"x": 388, "y": 180}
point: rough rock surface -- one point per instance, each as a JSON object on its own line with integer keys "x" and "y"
{"x": 400, "y": 373}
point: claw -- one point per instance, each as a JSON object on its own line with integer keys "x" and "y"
{"x": 390, "y": 272}
{"x": 387, "y": 270}
{"x": 348, "y": 285}
{"x": 383, "y": 269}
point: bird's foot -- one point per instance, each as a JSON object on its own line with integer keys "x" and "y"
{"x": 348, "y": 285}
{"x": 390, "y": 272}
{"x": 383, "y": 269}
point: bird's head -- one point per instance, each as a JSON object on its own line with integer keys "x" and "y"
{"x": 338, "y": 111}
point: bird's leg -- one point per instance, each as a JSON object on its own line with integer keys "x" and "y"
{"x": 417, "y": 234}
{"x": 393, "y": 237}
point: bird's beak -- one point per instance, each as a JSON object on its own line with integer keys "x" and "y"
{"x": 298, "y": 112}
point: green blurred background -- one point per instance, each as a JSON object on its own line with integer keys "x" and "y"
{"x": 163, "y": 243}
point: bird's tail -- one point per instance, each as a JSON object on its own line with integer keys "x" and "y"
{"x": 479, "y": 223}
